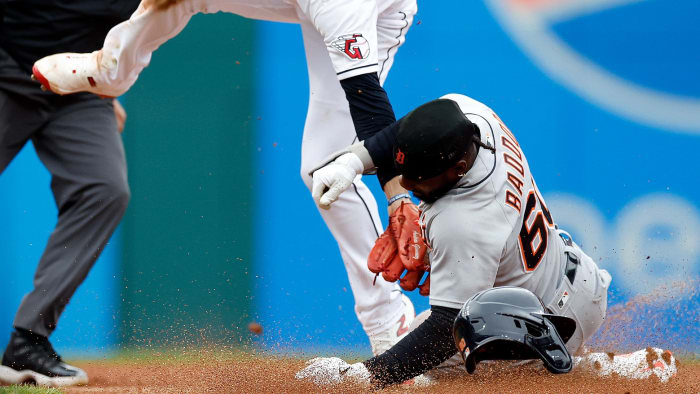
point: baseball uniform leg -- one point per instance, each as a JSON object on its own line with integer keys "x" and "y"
{"x": 354, "y": 219}
{"x": 129, "y": 45}
{"x": 392, "y": 25}
{"x": 585, "y": 300}
{"x": 83, "y": 151}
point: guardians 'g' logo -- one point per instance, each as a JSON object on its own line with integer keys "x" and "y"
{"x": 400, "y": 157}
{"x": 353, "y": 45}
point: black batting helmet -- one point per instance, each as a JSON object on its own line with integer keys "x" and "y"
{"x": 511, "y": 323}
{"x": 432, "y": 138}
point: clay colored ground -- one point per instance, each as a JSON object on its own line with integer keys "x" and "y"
{"x": 253, "y": 373}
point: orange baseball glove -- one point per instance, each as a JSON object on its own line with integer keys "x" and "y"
{"x": 402, "y": 248}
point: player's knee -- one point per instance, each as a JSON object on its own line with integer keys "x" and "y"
{"x": 121, "y": 194}
{"x": 575, "y": 344}
{"x": 115, "y": 194}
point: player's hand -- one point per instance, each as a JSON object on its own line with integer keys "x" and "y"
{"x": 332, "y": 370}
{"x": 120, "y": 114}
{"x": 334, "y": 178}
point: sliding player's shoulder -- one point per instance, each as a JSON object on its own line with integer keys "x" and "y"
{"x": 467, "y": 104}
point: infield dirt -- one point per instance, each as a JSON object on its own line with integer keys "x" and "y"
{"x": 260, "y": 374}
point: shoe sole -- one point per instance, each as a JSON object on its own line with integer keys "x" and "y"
{"x": 11, "y": 376}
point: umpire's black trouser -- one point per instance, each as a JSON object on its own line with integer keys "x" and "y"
{"x": 76, "y": 138}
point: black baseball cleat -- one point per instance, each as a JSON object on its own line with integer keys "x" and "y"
{"x": 30, "y": 359}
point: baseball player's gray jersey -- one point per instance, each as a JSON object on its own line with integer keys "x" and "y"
{"x": 493, "y": 228}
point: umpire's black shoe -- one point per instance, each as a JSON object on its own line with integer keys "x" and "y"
{"x": 30, "y": 358}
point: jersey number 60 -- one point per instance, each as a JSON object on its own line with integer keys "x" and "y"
{"x": 533, "y": 238}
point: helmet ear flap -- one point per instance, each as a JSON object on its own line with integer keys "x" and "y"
{"x": 565, "y": 326}
{"x": 551, "y": 349}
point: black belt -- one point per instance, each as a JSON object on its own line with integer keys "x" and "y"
{"x": 572, "y": 261}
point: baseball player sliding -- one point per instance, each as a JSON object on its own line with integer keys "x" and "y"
{"x": 351, "y": 41}
{"x": 486, "y": 225}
